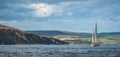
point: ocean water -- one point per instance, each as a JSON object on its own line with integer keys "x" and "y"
{"x": 59, "y": 51}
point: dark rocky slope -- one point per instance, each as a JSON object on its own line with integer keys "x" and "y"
{"x": 9, "y": 35}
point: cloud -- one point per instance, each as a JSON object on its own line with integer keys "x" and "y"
{"x": 10, "y": 22}
{"x": 69, "y": 13}
{"x": 42, "y": 10}
{"x": 56, "y": 9}
{"x": 66, "y": 24}
{"x": 76, "y": 15}
{"x": 61, "y": 9}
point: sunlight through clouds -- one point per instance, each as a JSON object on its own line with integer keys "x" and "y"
{"x": 42, "y": 10}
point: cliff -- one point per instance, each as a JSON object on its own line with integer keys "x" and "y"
{"x": 10, "y": 35}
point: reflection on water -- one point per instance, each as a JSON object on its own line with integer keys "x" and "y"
{"x": 59, "y": 51}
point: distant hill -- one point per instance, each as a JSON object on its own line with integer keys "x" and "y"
{"x": 81, "y": 35}
{"x": 57, "y": 33}
{"x": 80, "y": 38}
{"x": 10, "y": 35}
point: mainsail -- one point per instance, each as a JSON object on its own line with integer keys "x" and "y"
{"x": 94, "y": 36}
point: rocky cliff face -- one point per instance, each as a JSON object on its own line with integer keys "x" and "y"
{"x": 9, "y": 35}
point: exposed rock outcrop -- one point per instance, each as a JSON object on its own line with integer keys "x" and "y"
{"x": 9, "y": 35}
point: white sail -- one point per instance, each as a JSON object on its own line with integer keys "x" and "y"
{"x": 94, "y": 34}
{"x": 94, "y": 37}
{"x": 93, "y": 40}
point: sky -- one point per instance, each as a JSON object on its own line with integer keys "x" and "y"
{"x": 64, "y": 15}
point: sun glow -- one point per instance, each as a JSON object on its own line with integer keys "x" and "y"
{"x": 42, "y": 10}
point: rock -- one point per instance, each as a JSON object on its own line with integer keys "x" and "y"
{"x": 10, "y": 35}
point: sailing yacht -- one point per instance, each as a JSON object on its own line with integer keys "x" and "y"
{"x": 94, "y": 37}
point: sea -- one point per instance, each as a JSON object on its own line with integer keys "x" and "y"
{"x": 108, "y": 50}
